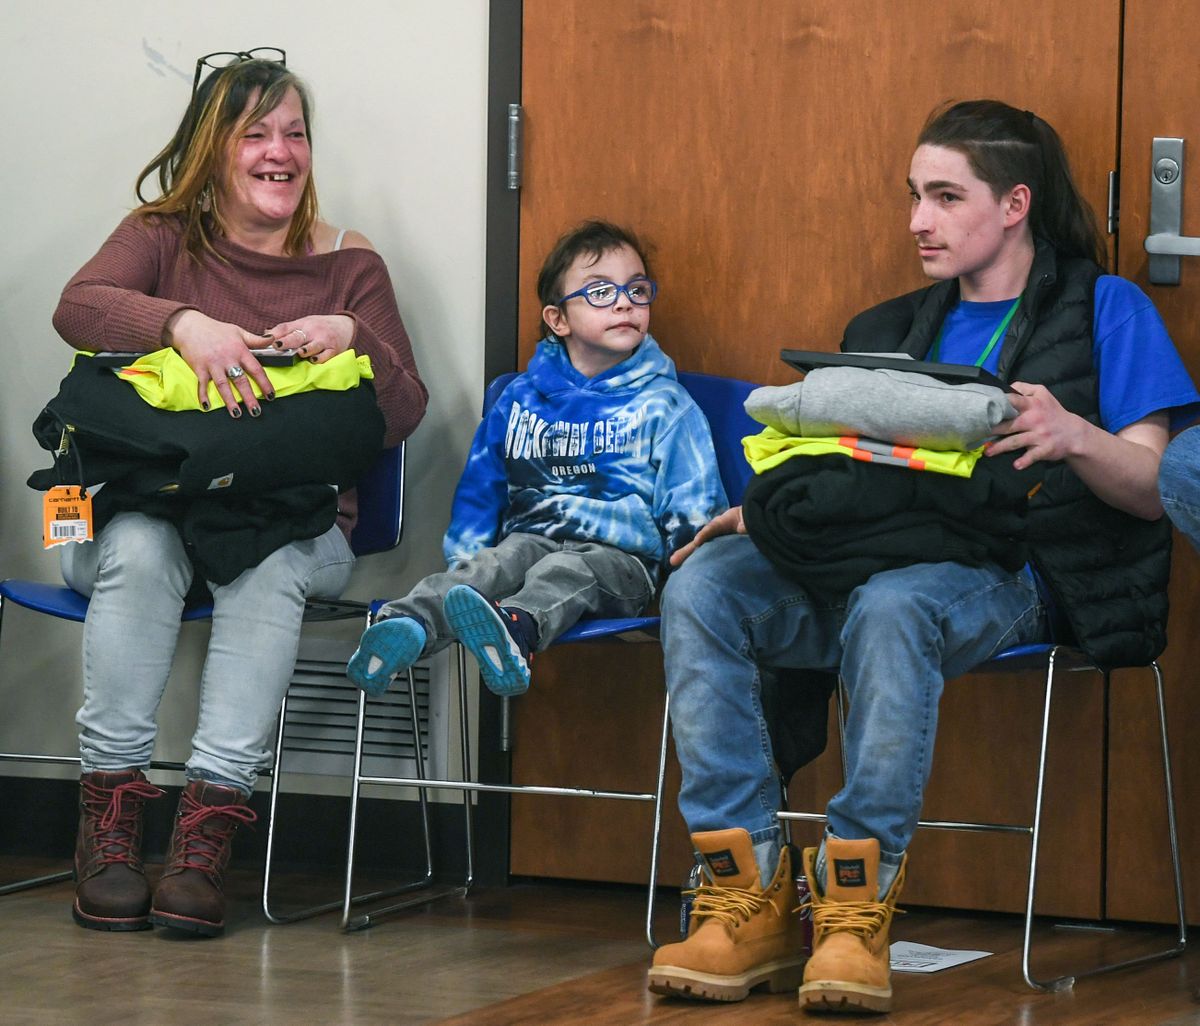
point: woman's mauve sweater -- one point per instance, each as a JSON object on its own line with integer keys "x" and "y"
{"x": 123, "y": 297}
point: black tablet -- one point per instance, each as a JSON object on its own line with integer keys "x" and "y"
{"x": 955, "y": 373}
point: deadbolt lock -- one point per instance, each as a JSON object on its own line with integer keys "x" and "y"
{"x": 1166, "y": 170}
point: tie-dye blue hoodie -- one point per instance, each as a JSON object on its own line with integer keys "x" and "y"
{"x": 624, "y": 458}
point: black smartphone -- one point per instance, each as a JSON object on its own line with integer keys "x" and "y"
{"x": 266, "y": 357}
{"x": 276, "y": 357}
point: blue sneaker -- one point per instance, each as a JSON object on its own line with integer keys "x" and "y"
{"x": 493, "y": 635}
{"x": 386, "y": 649}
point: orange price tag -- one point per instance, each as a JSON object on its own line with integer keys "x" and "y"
{"x": 66, "y": 516}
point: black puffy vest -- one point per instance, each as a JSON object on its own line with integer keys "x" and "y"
{"x": 1107, "y": 570}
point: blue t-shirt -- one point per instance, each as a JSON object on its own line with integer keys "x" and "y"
{"x": 1139, "y": 370}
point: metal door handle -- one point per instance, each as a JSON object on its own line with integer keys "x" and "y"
{"x": 1164, "y": 243}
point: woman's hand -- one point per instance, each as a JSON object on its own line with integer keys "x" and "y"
{"x": 317, "y": 337}
{"x": 214, "y": 348}
{"x": 729, "y": 522}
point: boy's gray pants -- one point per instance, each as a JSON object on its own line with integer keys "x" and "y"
{"x": 556, "y": 582}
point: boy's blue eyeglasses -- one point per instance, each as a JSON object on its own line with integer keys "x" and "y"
{"x": 640, "y": 292}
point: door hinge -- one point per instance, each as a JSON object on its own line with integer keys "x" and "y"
{"x": 515, "y": 113}
{"x": 1114, "y": 202}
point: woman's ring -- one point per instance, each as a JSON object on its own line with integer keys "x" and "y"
{"x": 303, "y": 334}
{"x": 234, "y": 372}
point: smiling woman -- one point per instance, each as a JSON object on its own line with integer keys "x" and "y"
{"x": 229, "y": 261}
{"x": 270, "y": 170}
{"x": 228, "y": 112}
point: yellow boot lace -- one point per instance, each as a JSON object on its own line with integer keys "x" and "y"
{"x": 728, "y": 905}
{"x": 864, "y": 918}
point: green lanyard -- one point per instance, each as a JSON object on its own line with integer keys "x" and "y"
{"x": 996, "y": 336}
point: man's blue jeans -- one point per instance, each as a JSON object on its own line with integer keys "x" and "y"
{"x": 1179, "y": 483}
{"x": 895, "y": 639}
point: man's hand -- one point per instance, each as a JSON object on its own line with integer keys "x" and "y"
{"x": 729, "y": 522}
{"x": 1041, "y": 427}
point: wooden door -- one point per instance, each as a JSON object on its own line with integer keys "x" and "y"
{"x": 763, "y": 146}
{"x": 1161, "y": 97}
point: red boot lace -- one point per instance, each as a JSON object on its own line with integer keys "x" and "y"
{"x": 118, "y": 825}
{"x": 202, "y": 848}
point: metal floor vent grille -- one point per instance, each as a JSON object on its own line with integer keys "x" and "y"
{"x": 322, "y": 715}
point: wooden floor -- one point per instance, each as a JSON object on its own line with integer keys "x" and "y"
{"x": 527, "y": 954}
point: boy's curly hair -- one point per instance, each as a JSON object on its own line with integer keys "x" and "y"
{"x": 593, "y": 238}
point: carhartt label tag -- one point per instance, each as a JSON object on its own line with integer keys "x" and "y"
{"x": 850, "y": 872}
{"x": 66, "y": 516}
{"x": 722, "y": 863}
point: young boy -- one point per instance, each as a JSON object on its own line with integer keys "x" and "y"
{"x": 588, "y": 472}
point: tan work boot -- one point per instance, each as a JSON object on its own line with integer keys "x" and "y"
{"x": 740, "y": 935}
{"x": 849, "y": 970}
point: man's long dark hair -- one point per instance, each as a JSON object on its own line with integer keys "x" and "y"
{"x": 1007, "y": 147}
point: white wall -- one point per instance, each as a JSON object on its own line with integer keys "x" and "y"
{"x": 88, "y": 94}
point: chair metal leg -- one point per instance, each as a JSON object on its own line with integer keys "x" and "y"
{"x": 349, "y": 899}
{"x": 36, "y": 881}
{"x": 1066, "y": 982}
{"x": 32, "y": 881}
{"x": 465, "y": 748}
{"x": 505, "y": 718}
{"x": 843, "y": 699}
{"x": 58, "y": 760}
{"x": 274, "y": 916}
{"x": 49, "y": 878}
{"x": 1172, "y": 823}
{"x": 368, "y": 919}
{"x": 658, "y": 803}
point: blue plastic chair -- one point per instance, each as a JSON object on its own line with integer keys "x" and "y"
{"x": 721, "y": 401}
{"x": 379, "y": 526}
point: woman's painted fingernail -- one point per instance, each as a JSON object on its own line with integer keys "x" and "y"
{"x": 204, "y": 405}
{"x": 270, "y": 397}
{"x": 312, "y": 359}
{"x": 255, "y": 411}
{"x": 235, "y": 412}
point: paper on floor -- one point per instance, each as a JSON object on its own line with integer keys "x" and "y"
{"x": 907, "y": 957}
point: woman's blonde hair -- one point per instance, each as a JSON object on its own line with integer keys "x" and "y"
{"x": 188, "y": 167}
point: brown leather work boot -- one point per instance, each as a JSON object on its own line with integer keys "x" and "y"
{"x": 189, "y": 895}
{"x": 849, "y": 970}
{"x": 741, "y": 935}
{"x": 111, "y": 892}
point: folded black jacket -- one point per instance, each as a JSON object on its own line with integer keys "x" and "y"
{"x": 795, "y": 704}
{"x": 312, "y": 437}
{"x": 829, "y": 523}
{"x": 237, "y": 489}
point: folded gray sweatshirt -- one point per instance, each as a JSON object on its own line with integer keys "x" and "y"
{"x": 896, "y": 406}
